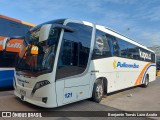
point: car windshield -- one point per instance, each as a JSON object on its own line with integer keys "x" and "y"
{"x": 46, "y": 50}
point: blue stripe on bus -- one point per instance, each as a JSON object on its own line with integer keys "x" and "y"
{"x": 6, "y": 78}
{"x": 146, "y": 72}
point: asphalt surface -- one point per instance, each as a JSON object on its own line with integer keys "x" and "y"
{"x": 136, "y": 99}
{"x": 133, "y": 99}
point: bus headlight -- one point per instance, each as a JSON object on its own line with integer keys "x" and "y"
{"x": 39, "y": 85}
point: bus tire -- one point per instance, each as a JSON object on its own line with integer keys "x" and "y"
{"x": 98, "y": 91}
{"x": 146, "y": 82}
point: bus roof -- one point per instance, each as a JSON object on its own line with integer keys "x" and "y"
{"x": 57, "y": 21}
{"x": 15, "y": 20}
{"x": 102, "y": 28}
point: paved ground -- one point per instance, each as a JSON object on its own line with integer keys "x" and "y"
{"x": 142, "y": 99}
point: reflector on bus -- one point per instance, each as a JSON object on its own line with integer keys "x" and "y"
{"x": 34, "y": 50}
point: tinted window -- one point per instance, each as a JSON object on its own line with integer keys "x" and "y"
{"x": 133, "y": 51}
{"x": 7, "y": 59}
{"x": 11, "y": 28}
{"x": 123, "y": 48}
{"x": 153, "y": 58}
{"x": 102, "y": 45}
{"x": 145, "y": 55}
{"x": 75, "y": 50}
{"x": 158, "y": 65}
{"x": 107, "y": 45}
{"x": 116, "y": 48}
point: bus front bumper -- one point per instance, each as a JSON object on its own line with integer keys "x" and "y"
{"x": 40, "y": 98}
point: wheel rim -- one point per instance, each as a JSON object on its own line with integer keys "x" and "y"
{"x": 99, "y": 91}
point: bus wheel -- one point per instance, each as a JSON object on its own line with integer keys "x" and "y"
{"x": 146, "y": 82}
{"x": 98, "y": 91}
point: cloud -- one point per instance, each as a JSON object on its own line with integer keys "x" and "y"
{"x": 139, "y": 16}
{"x": 153, "y": 14}
{"x": 148, "y": 11}
{"x": 152, "y": 37}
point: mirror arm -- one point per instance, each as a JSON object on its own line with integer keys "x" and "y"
{"x": 63, "y": 27}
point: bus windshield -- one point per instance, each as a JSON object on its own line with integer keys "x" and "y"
{"x": 46, "y": 50}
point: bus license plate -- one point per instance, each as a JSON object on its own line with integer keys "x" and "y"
{"x": 23, "y": 93}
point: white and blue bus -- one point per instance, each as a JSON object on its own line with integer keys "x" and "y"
{"x": 76, "y": 60}
{"x": 10, "y": 27}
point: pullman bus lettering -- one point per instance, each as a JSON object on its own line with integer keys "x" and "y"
{"x": 14, "y": 45}
{"x": 125, "y": 65}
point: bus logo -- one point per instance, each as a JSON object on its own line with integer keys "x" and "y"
{"x": 14, "y": 45}
{"x": 124, "y": 65}
{"x": 114, "y": 64}
{"x": 99, "y": 43}
{"x": 11, "y": 45}
{"x": 144, "y": 55}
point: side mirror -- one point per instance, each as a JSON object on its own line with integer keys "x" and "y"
{"x": 44, "y": 32}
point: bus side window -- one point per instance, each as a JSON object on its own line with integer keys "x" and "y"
{"x": 133, "y": 52}
{"x": 75, "y": 49}
{"x": 10, "y": 28}
{"x": 7, "y": 59}
{"x": 116, "y": 48}
{"x": 102, "y": 46}
{"x": 123, "y": 48}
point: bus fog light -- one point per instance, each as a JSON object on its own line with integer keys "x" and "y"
{"x": 39, "y": 85}
{"x": 44, "y": 99}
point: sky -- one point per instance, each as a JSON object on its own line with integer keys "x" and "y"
{"x": 137, "y": 19}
